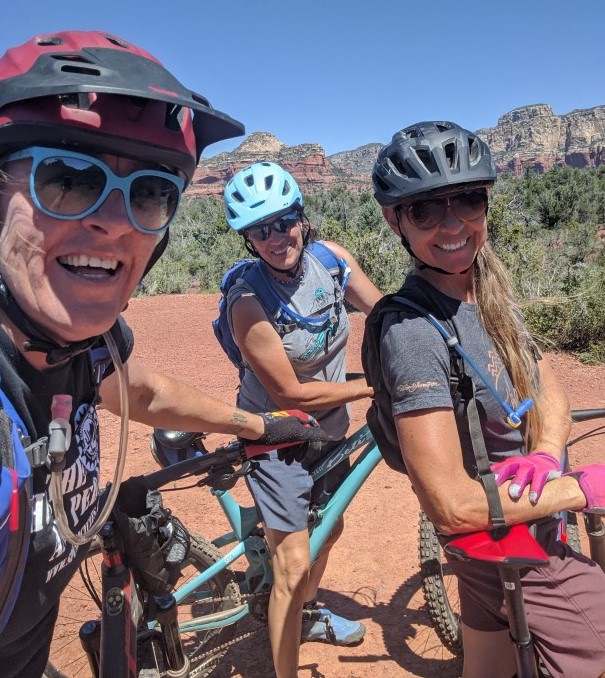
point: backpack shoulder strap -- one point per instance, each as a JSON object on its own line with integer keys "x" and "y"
{"x": 255, "y": 277}
{"x": 337, "y": 268}
{"x": 465, "y": 409}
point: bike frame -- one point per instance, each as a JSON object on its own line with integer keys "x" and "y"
{"x": 245, "y": 520}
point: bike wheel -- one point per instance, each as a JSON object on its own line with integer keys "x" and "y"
{"x": 440, "y": 588}
{"x": 81, "y": 602}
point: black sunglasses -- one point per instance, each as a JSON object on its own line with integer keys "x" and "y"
{"x": 283, "y": 224}
{"x": 430, "y": 212}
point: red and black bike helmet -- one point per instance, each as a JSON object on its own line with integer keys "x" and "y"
{"x": 97, "y": 92}
{"x": 94, "y": 92}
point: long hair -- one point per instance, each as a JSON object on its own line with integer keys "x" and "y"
{"x": 500, "y": 315}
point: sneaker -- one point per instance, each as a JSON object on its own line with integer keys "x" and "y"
{"x": 321, "y": 624}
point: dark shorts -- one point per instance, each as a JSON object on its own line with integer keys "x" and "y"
{"x": 283, "y": 493}
{"x": 565, "y": 606}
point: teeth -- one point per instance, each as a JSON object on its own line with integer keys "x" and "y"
{"x": 453, "y": 246}
{"x": 93, "y": 262}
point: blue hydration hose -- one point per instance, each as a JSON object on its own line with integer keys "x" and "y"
{"x": 513, "y": 416}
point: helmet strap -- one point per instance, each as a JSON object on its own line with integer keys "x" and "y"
{"x": 37, "y": 339}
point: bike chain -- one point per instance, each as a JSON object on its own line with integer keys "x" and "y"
{"x": 243, "y": 636}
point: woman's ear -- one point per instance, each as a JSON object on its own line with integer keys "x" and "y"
{"x": 392, "y": 219}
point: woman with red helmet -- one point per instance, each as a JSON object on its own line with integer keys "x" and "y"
{"x": 449, "y": 420}
{"x": 97, "y": 143}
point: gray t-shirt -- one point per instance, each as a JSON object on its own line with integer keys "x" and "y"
{"x": 415, "y": 366}
{"x": 314, "y": 355}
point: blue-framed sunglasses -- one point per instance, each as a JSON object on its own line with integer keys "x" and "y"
{"x": 68, "y": 185}
{"x": 282, "y": 224}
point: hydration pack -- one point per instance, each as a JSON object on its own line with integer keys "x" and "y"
{"x": 284, "y": 318}
{"x": 15, "y": 505}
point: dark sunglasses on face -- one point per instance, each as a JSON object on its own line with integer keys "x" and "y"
{"x": 68, "y": 185}
{"x": 430, "y": 212}
{"x": 282, "y": 224}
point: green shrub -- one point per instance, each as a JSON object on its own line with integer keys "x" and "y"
{"x": 544, "y": 227}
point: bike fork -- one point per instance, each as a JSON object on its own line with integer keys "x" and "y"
{"x": 167, "y": 616}
{"x": 519, "y": 630}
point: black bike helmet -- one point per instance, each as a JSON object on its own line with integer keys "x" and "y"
{"x": 94, "y": 90}
{"x": 429, "y": 156}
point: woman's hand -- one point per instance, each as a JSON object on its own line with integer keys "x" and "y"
{"x": 535, "y": 470}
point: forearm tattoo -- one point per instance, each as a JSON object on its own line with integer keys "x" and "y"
{"x": 239, "y": 421}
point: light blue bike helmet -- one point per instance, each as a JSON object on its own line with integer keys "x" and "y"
{"x": 259, "y": 191}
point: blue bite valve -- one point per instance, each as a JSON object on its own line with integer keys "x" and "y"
{"x": 514, "y": 416}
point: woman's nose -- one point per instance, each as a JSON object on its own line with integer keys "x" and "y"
{"x": 111, "y": 216}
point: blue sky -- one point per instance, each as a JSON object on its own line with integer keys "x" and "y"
{"x": 344, "y": 74}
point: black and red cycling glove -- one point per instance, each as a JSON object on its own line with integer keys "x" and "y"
{"x": 290, "y": 432}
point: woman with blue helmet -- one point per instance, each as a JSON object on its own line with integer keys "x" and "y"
{"x": 304, "y": 367}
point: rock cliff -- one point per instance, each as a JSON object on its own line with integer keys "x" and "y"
{"x": 307, "y": 163}
{"x": 533, "y": 136}
{"x": 530, "y": 136}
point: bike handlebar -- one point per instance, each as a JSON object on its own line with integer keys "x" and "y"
{"x": 235, "y": 452}
{"x": 587, "y": 415}
{"x": 228, "y": 454}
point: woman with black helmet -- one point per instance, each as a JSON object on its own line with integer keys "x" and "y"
{"x": 97, "y": 143}
{"x": 300, "y": 362}
{"x": 433, "y": 181}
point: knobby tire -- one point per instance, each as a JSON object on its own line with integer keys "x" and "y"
{"x": 443, "y": 612}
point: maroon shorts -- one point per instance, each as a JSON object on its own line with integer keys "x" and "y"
{"x": 564, "y": 601}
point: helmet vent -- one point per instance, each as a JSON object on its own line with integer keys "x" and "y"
{"x": 426, "y": 158}
{"x": 474, "y": 152}
{"x": 117, "y": 42}
{"x": 236, "y": 195}
{"x": 249, "y": 180}
{"x": 451, "y": 155}
{"x": 399, "y": 166}
{"x": 287, "y": 188}
{"x": 379, "y": 182}
{"x": 268, "y": 182}
{"x": 81, "y": 70}
{"x": 49, "y": 42}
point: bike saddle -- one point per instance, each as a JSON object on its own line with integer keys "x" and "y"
{"x": 517, "y": 548}
{"x": 176, "y": 439}
{"x": 169, "y": 447}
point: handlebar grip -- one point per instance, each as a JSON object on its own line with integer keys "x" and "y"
{"x": 253, "y": 450}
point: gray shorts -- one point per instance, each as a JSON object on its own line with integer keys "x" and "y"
{"x": 283, "y": 493}
{"x": 564, "y": 602}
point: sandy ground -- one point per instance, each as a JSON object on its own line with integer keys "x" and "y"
{"x": 373, "y": 572}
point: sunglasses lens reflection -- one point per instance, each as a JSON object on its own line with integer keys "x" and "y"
{"x": 426, "y": 214}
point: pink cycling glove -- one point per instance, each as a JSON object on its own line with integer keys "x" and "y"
{"x": 591, "y": 479}
{"x": 534, "y": 469}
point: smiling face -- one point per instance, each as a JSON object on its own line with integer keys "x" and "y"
{"x": 444, "y": 239}
{"x": 281, "y": 251}
{"x": 71, "y": 277}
